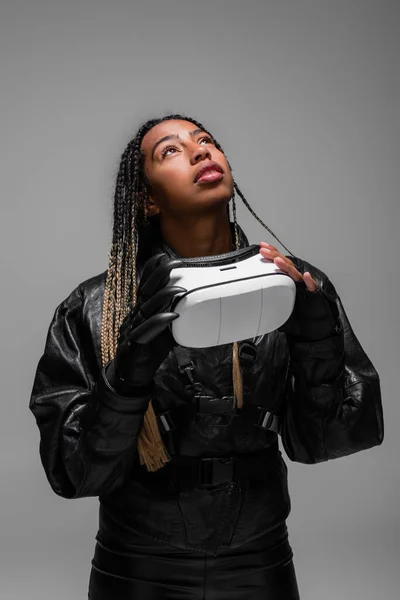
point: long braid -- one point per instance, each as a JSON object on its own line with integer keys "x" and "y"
{"x": 258, "y": 218}
{"x": 120, "y": 293}
{"x": 236, "y": 371}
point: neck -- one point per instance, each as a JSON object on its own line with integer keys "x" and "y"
{"x": 203, "y": 235}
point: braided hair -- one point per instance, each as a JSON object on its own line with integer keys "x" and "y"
{"x": 130, "y": 200}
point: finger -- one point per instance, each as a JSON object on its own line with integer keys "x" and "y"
{"x": 269, "y": 246}
{"x": 176, "y": 299}
{"x": 127, "y": 323}
{"x": 161, "y": 301}
{"x": 288, "y": 268}
{"x": 311, "y": 284}
{"x": 151, "y": 328}
{"x": 269, "y": 253}
{"x": 147, "y": 332}
{"x": 150, "y": 266}
{"x": 272, "y": 254}
{"x": 158, "y": 278}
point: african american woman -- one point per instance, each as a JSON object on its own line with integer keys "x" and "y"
{"x": 180, "y": 444}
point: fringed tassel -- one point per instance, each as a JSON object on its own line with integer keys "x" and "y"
{"x": 152, "y": 451}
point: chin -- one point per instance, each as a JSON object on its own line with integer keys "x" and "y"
{"x": 213, "y": 199}
{"x": 217, "y": 192}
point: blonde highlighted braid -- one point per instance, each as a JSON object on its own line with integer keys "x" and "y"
{"x": 120, "y": 292}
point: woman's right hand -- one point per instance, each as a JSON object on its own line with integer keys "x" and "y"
{"x": 145, "y": 338}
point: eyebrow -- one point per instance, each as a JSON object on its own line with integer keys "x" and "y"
{"x": 173, "y": 136}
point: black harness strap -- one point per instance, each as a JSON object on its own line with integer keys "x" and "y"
{"x": 259, "y": 416}
{"x": 174, "y": 418}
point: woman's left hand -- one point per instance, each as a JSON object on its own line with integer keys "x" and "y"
{"x": 286, "y": 265}
{"x": 315, "y": 316}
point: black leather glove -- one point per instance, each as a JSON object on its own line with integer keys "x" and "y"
{"x": 315, "y": 316}
{"x": 145, "y": 338}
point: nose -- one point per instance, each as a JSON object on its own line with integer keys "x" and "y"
{"x": 200, "y": 152}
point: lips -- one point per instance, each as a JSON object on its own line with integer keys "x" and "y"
{"x": 208, "y": 167}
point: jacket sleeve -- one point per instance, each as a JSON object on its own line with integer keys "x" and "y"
{"x": 88, "y": 432}
{"x": 332, "y": 405}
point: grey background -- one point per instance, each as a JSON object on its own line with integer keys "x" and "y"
{"x": 303, "y": 96}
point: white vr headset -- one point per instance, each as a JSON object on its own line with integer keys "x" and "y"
{"x": 230, "y": 297}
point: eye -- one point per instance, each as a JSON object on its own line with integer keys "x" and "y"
{"x": 165, "y": 150}
{"x": 208, "y": 138}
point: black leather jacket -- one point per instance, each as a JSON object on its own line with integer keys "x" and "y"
{"x": 321, "y": 398}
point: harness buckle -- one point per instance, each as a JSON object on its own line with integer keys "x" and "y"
{"x": 216, "y": 470}
{"x": 166, "y": 421}
{"x": 267, "y": 420}
{"x": 248, "y": 353}
{"x": 188, "y": 370}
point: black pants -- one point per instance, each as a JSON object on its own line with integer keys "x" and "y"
{"x": 144, "y": 569}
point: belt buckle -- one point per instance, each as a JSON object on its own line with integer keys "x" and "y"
{"x": 216, "y": 470}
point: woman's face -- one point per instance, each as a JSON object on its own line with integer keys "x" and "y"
{"x": 171, "y": 166}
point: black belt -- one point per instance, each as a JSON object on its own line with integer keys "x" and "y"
{"x": 190, "y": 471}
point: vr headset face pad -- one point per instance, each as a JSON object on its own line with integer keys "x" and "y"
{"x": 230, "y": 297}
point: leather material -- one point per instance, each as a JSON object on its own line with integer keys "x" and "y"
{"x": 326, "y": 393}
{"x": 129, "y": 565}
{"x": 144, "y": 338}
